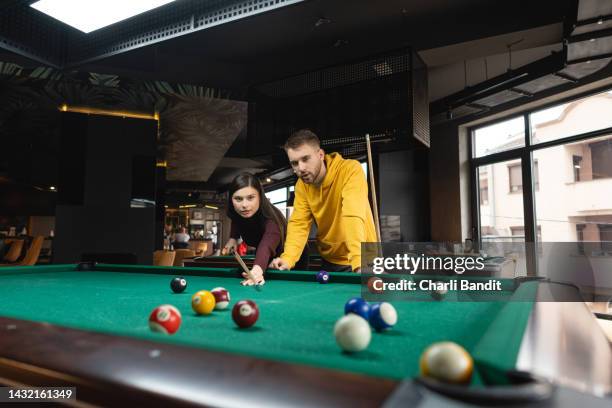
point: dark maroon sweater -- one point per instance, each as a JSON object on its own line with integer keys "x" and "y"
{"x": 259, "y": 233}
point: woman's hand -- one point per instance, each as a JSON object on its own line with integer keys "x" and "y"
{"x": 230, "y": 247}
{"x": 258, "y": 277}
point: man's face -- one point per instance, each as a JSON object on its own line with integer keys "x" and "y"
{"x": 306, "y": 161}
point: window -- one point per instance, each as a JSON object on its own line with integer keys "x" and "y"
{"x": 278, "y": 195}
{"x": 499, "y": 137}
{"x": 576, "y": 160}
{"x": 580, "y": 237}
{"x": 279, "y": 198}
{"x": 601, "y": 155}
{"x": 516, "y": 178}
{"x": 484, "y": 192}
{"x": 583, "y": 115}
{"x": 605, "y": 236}
{"x": 503, "y": 211}
{"x": 519, "y": 232}
{"x": 576, "y": 165}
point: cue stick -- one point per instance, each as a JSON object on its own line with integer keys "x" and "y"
{"x": 246, "y": 270}
{"x": 373, "y": 188}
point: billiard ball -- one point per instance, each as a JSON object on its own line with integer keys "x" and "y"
{"x": 358, "y": 306}
{"x": 245, "y": 313}
{"x": 86, "y": 266}
{"x": 447, "y": 361}
{"x": 383, "y": 316}
{"x": 178, "y": 285}
{"x": 322, "y": 277}
{"x": 375, "y": 285}
{"x": 352, "y": 333}
{"x": 222, "y": 298}
{"x": 165, "y": 319}
{"x": 203, "y": 302}
{"x": 439, "y": 294}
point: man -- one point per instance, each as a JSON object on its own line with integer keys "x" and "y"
{"x": 181, "y": 239}
{"x": 333, "y": 191}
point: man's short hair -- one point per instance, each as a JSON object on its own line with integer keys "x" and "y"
{"x": 300, "y": 138}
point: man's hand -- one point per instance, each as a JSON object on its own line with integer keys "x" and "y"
{"x": 258, "y": 278}
{"x": 280, "y": 264}
{"x": 230, "y": 247}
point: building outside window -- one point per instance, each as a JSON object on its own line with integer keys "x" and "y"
{"x": 571, "y": 174}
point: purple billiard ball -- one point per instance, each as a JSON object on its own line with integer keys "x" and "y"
{"x": 322, "y": 277}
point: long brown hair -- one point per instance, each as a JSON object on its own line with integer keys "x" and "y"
{"x": 266, "y": 209}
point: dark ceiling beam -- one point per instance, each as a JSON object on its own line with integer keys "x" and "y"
{"x": 25, "y": 51}
{"x": 510, "y": 79}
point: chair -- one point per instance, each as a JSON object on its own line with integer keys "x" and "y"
{"x": 181, "y": 254}
{"x": 202, "y": 248}
{"x": 31, "y": 256}
{"x": 163, "y": 258}
{"x": 14, "y": 251}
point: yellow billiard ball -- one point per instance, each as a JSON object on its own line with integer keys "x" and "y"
{"x": 203, "y": 302}
{"x": 448, "y": 362}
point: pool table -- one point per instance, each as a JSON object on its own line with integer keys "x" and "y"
{"x": 228, "y": 261}
{"x": 89, "y": 329}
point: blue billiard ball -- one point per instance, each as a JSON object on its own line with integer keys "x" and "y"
{"x": 358, "y": 306}
{"x": 322, "y": 277}
{"x": 383, "y": 316}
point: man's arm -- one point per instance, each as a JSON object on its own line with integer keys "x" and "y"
{"x": 298, "y": 227}
{"x": 355, "y": 207}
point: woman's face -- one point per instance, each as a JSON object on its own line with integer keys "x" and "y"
{"x": 246, "y": 201}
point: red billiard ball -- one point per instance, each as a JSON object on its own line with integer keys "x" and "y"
{"x": 375, "y": 285}
{"x": 222, "y": 298}
{"x": 245, "y": 313}
{"x": 165, "y": 319}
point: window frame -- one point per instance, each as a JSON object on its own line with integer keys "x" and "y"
{"x": 525, "y": 156}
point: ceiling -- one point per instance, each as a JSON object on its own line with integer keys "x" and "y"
{"x": 285, "y": 39}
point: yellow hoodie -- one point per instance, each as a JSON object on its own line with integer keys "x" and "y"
{"x": 341, "y": 209}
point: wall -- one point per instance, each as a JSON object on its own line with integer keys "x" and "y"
{"x": 445, "y": 186}
{"x": 403, "y": 188}
{"x": 94, "y": 213}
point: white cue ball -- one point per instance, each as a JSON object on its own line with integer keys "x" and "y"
{"x": 352, "y": 333}
{"x": 447, "y": 361}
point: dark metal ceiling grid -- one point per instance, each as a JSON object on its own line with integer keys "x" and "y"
{"x": 170, "y": 21}
{"x": 34, "y": 35}
{"x": 587, "y": 49}
{"x": 337, "y": 76}
{"x": 543, "y": 83}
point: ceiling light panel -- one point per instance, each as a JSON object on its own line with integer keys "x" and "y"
{"x": 91, "y": 15}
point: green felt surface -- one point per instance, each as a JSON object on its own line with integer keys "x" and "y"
{"x": 296, "y": 317}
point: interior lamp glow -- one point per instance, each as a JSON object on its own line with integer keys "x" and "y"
{"x": 90, "y": 15}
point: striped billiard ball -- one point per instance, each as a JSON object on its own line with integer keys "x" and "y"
{"x": 222, "y": 298}
{"x": 165, "y": 319}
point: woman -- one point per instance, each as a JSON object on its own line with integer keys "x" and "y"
{"x": 257, "y": 221}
